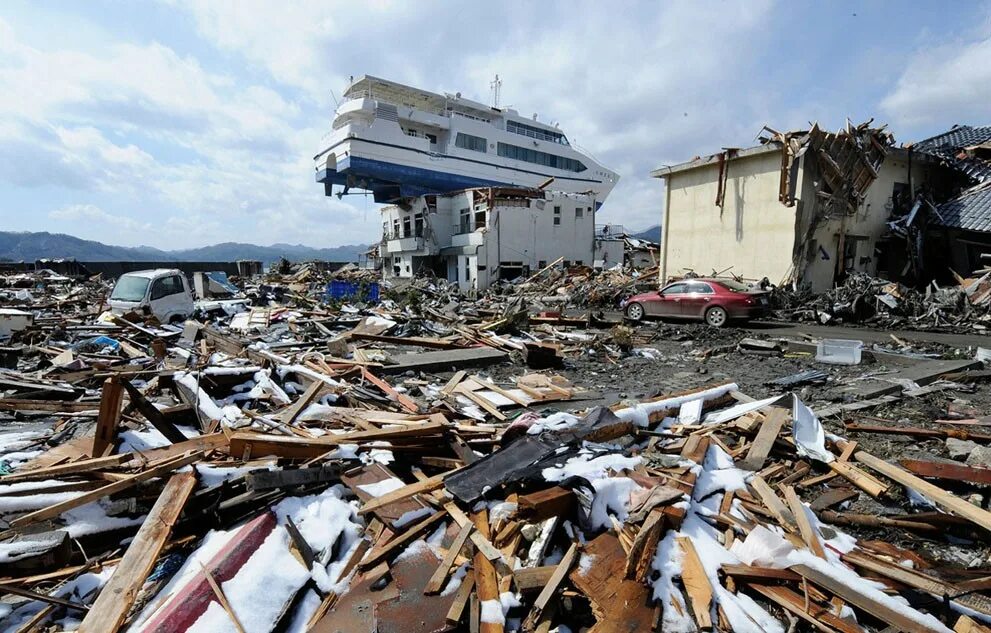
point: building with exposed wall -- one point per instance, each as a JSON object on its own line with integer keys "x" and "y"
{"x": 477, "y": 236}
{"x": 804, "y": 207}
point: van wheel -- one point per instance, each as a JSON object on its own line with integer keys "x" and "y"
{"x": 634, "y": 312}
{"x": 177, "y": 319}
{"x": 715, "y": 316}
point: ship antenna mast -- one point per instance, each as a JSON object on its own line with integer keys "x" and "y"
{"x": 496, "y": 86}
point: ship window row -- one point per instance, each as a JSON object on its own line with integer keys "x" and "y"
{"x": 540, "y": 158}
{"x": 535, "y": 132}
{"x": 474, "y": 143}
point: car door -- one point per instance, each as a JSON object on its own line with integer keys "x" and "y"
{"x": 697, "y": 298}
{"x": 669, "y": 304}
{"x": 167, "y": 297}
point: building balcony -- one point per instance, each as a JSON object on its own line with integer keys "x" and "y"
{"x": 411, "y": 244}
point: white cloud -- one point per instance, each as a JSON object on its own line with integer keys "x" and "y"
{"x": 89, "y": 214}
{"x": 944, "y": 83}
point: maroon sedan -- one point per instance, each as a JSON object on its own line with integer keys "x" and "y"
{"x": 714, "y": 301}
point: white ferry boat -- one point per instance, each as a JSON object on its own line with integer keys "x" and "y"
{"x": 397, "y": 142}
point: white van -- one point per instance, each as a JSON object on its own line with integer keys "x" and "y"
{"x": 162, "y": 292}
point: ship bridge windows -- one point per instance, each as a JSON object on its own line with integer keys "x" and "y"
{"x": 535, "y": 132}
{"x": 540, "y": 158}
{"x": 474, "y": 143}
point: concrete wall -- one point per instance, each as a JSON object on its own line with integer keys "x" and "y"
{"x": 863, "y": 229}
{"x": 752, "y": 235}
{"x": 756, "y": 236}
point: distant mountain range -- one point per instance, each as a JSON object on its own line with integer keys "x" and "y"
{"x": 29, "y": 247}
{"x": 653, "y": 234}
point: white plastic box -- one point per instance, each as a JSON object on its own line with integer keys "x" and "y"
{"x": 839, "y": 351}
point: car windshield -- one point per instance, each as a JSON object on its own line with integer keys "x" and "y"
{"x": 735, "y": 286}
{"x": 130, "y": 288}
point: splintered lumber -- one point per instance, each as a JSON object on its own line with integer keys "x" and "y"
{"x": 118, "y": 595}
{"x": 766, "y": 435}
{"x": 53, "y": 511}
{"x": 424, "y": 485}
{"x": 860, "y": 600}
{"x": 697, "y": 584}
{"x": 805, "y": 528}
{"x": 937, "y": 495}
{"x": 950, "y": 472}
{"x": 966, "y": 624}
{"x": 533, "y": 578}
{"x": 553, "y": 582}
{"x": 111, "y": 399}
{"x": 618, "y": 604}
{"x": 833, "y": 497}
{"x": 416, "y": 341}
{"x": 71, "y": 468}
{"x": 436, "y": 582}
{"x": 641, "y": 554}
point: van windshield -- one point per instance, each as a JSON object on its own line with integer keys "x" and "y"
{"x": 130, "y": 288}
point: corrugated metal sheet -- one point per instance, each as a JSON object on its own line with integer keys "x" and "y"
{"x": 970, "y": 211}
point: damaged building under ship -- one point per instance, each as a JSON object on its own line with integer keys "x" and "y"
{"x": 806, "y": 208}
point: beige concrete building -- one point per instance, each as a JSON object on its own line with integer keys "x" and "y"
{"x": 804, "y": 207}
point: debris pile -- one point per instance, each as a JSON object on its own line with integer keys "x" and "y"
{"x": 877, "y": 302}
{"x": 289, "y": 472}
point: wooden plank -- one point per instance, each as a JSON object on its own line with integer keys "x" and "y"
{"x": 263, "y": 479}
{"x": 436, "y": 582}
{"x": 461, "y": 599}
{"x": 417, "y": 341}
{"x": 545, "y": 595}
{"x": 818, "y": 617}
{"x": 950, "y": 472}
{"x": 290, "y": 413}
{"x": 937, "y": 495}
{"x": 41, "y": 597}
{"x": 974, "y": 601}
{"x": 404, "y": 401}
{"x": 642, "y": 551}
{"x": 151, "y": 413}
{"x": 111, "y": 398}
{"x": 379, "y": 554}
{"x": 444, "y": 360}
{"x": 261, "y": 444}
{"x": 453, "y": 382}
{"x": 53, "y": 511}
{"x": 809, "y": 534}
{"x": 533, "y": 578}
{"x": 120, "y": 592}
{"x": 772, "y": 502}
{"x": 486, "y": 582}
{"x": 766, "y": 435}
{"x": 697, "y": 584}
{"x": 833, "y": 497}
{"x": 852, "y": 596}
{"x": 859, "y": 478}
{"x": 71, "y": 468}
{"x": 426, "y": 485}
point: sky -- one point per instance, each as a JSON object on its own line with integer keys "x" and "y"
{"x": 180, "y": 123}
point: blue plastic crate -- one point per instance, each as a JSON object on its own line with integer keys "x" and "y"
{"x": 342, "y": 290}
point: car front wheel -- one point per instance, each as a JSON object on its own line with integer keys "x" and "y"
{"x": 634, "y": 312}
{"x": 715, "y": 316}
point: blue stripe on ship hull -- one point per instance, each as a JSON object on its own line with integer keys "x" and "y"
{"x": 389, "y": 180}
